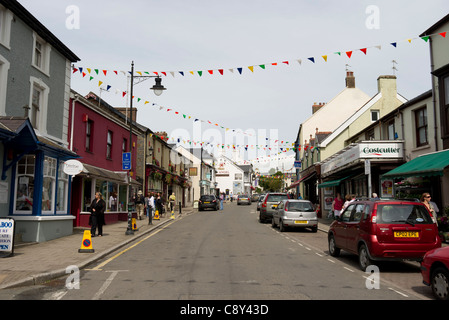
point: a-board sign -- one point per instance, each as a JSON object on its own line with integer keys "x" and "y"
{"x": 7, "y": 228}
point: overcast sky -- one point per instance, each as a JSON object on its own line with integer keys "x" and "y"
{"x": 202, "y": 35}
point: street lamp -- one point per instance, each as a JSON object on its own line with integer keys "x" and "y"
{"x": 158, "y": 89}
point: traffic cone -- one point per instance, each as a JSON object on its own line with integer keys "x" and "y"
{"x": 156, "y": 215}
{"x": 86, "y": 244}
{"x": 134, "y": 224}
{"x": 172, "y": 214}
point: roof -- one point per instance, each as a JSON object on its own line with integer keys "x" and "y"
{"x": 435, "y": 26}
{"x": 39, "y": 28}
{"x": 431, "y": 164}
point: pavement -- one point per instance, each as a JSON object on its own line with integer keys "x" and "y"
{"x": 37, "y": 263}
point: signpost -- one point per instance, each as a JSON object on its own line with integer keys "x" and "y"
{"x": 7, "y": 229}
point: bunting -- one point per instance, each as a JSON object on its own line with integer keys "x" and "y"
{"x": 220, "y": 71}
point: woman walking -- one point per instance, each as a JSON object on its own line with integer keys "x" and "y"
{"x": 97, "y": 208}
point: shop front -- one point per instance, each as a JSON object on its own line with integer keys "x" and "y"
{"x": 358, "y": 170}
{"x": 114, "y": 188}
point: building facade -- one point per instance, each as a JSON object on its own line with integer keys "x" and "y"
{"x": 34, "y": 109}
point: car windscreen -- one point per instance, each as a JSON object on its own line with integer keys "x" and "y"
{"x": 300, "y": 206}
{"x": 276, "y": 197}
{"x": 403, "y": 213}
{"x": 207, "y": 198}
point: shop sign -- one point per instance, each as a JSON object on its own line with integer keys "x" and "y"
{"x": 7, "y": 226}
{"x": 73, "y": 167}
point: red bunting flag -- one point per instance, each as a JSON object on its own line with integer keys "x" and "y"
{"x": 286, "y": 62}
{"x": 363, "y": 50}
{"x": 443, "y": 34}
{"x": 123, "y": 93}
{"x": 210, "y": 71}
{"x": 164, "y": 73}
{"x": 105, "y": 71}
{"x": 221, "y": 71}
{"x": 349, "y": 54}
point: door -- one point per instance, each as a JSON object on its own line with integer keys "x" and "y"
{"x": 341, "y": 227}
{"x": 353, "y": 227}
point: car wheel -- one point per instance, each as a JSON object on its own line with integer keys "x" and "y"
{"x": 439, "y": 282}
{"x": 333, "y": 249}
{"x": 260, "y": 218}
{"x": 281, "y": 226}
{"x": 364, "y": 259}
{"x": 315, "y": 229}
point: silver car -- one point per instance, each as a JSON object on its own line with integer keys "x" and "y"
{"x": 295, "y": 214}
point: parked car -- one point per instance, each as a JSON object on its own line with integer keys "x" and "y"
{"x": 295, "y": 214}
{"x": 266, "y": 208}
{"x": 243, "y": 198}
{"x": 208, "y": 202}
{"x": 384, "y": 230}
{"x": 254, "y": 197}
{"x": 259, "y": 202}
{"x": 435, "y": 272}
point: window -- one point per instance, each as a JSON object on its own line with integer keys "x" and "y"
{"x": 37, "y": 108}
{"x": 41, "y": 54}
{"x": 61, "y": 205}
{"x": 89, "y": 135}
{"x": 6, "y": 17}
{"x": 369, "y": 135}
{"x": 124, "y": 145}
{"x": 25, "y": 184}
{"x": 421, "y": 127}
{"x": 48, "y": 189}
{"x": 375, "y": 115}
{"x": 109, "y": 145}
{"x": 445, "y": 106}
{"x": 391, "y": 131}
{"x": 4, "y": 68}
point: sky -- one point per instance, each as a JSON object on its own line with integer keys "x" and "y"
{"x": 264, "y": 107}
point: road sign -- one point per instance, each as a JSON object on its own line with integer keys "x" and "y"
{"x": 7, "y": 226}
{"x": 126, "y": 161}
{"x": 297, "y": 163}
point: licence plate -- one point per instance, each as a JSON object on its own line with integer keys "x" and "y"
{"x": 206, "y": 202}
{"x": 406, "y": 234}
{"x": 300, "y": 221}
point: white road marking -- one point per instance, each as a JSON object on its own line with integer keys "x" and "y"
{"x": 106, "y": 284}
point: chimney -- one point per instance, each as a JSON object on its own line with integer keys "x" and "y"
{"x": 350, "y": 80}
{"x": 387, "y": 85}
{"x": 316, "y": 107}
{"x": 125, "y": 112}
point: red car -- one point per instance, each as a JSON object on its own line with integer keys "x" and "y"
{"x": 435, "y": 272}
{"x": 384, "y": 230}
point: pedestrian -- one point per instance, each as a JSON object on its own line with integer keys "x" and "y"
{"x": 375, "y": 197}
{"x": 349, "y": 198}
{"x": 159, "y": 204}
{"x": 113, "y": 201}
{"x": 221, "y": 201}
{"x": 96, "y": 219}
{"x": 337, "y": 205}
{"x": 425, "y": 199}
{"x": 149, "y": 204}
{"x": 140, "y": 204}
{"x": 299, "y": 196}
{"x": 172, "y": 202}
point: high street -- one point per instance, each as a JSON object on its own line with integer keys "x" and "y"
{"x": 229, "y": 255}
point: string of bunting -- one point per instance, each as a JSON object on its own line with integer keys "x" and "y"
{"x": 239, "y": 70}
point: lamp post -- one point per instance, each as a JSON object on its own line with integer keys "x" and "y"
{"x": 158, "y": 88}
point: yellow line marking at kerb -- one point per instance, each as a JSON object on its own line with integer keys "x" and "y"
{"x": 98, "y": 268}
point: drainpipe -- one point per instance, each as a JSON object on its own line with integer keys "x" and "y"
{"x": 73, "y": 121}
{"x": 434, "y": 99}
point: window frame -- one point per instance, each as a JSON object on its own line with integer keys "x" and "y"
{"x": 418, "y": 127}
{"x": 109, "y": 144}
{"x": 45, "y": 49}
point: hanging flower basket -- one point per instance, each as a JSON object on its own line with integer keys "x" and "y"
{"x": 157, "y": 176}
{"x": 168, "y": 178}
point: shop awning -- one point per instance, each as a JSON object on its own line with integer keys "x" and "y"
{"x": 332, "y": 183}
{"x": 431, "y": 164}
{"x": 296, "y": 183}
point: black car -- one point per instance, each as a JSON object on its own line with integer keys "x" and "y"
{"x": 208, "y": 202}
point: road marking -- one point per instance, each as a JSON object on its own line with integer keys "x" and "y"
{"x": 331, "y": 260}
{"x": 402, "y": 294}
{"x": 318, "y": 254}
{"x": 58, "y": 295}
{"x": 101, "y": 265}
{"x": 106, "y": 284}
{"x": 308, "y": 248}
{"x": 348, "y": 269}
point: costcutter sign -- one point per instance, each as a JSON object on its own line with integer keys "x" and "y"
{"x": 7, "y": 226}
{"x": 365, "y": 150}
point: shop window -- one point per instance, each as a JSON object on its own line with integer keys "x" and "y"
{"x": 25, "y": 184}
{"x": 62, "y": 194}
{"x": 49, "y": 181}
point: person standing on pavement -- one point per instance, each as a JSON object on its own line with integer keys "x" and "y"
{"x": 221, "y": 200}
{"x": 172, "y": 202}
{"x": 140, "y": 204}
{"x": 425, "y": 199}
{"x": 149, "y": 204}
{"x": 337, "y": 205}
{"x": 97, "y": 208}
{"x": 159, "y": 204}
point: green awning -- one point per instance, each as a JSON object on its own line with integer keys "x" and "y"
{"x": 332, "y": 183}
{"x": 431, "y": 164}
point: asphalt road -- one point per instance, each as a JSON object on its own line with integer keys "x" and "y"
{"x": 229, "y": 255}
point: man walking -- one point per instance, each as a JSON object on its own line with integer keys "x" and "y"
{"x": 140, "y": 205}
